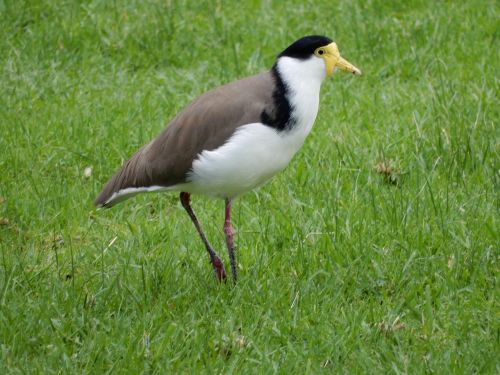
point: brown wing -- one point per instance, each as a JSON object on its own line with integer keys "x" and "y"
{"x": 205, "y": 124}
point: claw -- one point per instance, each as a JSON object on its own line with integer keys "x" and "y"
{"x": 220, "y": 273}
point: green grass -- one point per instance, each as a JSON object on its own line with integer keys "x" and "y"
{"x": 342, "y": 270}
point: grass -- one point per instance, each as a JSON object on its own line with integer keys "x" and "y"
{"x": 375, "y": 251}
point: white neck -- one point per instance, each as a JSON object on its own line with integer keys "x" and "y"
{"x": 303, "y": 80}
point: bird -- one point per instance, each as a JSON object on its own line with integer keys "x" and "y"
{"x": 233, "y": 138}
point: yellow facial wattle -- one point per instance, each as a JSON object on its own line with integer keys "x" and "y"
{"x": 331, "y": 55}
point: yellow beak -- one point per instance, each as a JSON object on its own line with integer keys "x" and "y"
{"x": 334, "y": 60}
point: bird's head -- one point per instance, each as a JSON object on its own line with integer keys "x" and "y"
{"x": 320, "y": 52}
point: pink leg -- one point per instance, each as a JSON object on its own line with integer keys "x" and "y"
{"x": 216, "y": 261}
{"x": 229, "y": 233}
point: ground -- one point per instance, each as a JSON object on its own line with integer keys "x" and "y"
{"x": 375, "y": 251}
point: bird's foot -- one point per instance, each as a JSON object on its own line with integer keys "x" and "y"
{"x": 220, "y": 273}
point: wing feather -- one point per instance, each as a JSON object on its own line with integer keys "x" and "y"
{"x": 205, "y": 124}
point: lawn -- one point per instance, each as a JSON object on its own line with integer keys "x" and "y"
{"x": 376, "y": 251}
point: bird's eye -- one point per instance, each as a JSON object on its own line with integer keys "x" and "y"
{"x": 320, "y": 52}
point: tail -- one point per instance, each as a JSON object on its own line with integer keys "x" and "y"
{"x": 133, "y": 178}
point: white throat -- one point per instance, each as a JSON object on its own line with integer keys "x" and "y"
{"x": 303, "y": 80}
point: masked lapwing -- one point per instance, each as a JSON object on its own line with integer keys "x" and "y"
{"x": 233, "y": 138}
